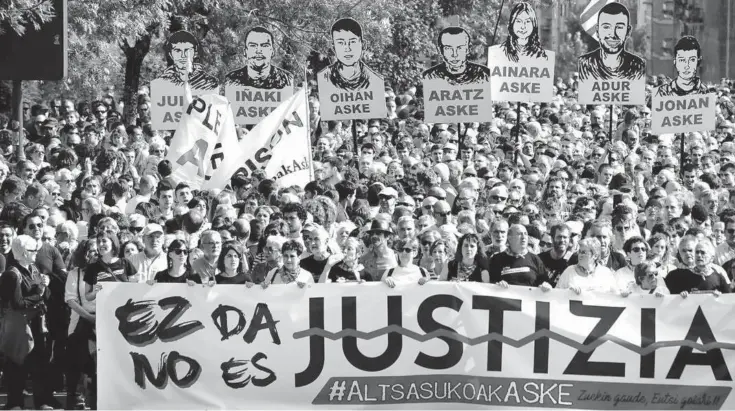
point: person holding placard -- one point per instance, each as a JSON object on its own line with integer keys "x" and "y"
{"x": 687, "y": 59}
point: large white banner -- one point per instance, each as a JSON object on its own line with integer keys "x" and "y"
{"x": 437, "y": 346}
{"x": 205, "y": 132}
{"x": 279, "y": 144}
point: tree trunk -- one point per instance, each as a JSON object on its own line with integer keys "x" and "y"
{"x": 134, "y": 57}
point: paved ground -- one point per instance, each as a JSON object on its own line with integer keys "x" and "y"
{"x": 60, "y": 397}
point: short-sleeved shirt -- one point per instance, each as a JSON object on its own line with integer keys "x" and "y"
{"x": 119, "y": 270}
{"x": 166, "y": 278}
{"x": 526, "y": 270}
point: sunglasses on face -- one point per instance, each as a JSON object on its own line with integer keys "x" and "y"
{"x": 442, "y": 214}
{"x": 544, "y": 244}
{"x": 498, "y": 198}
{"x": 180, "y": 251}
{"x": 407, "y": 250}
{"x": 32, "y": 226}
{"x": 637, "y": 249}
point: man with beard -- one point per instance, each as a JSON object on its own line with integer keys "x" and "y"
{"x": 687, "y": 60}
{"x": 454, "y": 47}
{"x": 378, "y": 257}
{"x": 349, "y": 72}
{"x": 611, "y": 61}
{"x": 259, "y": 72}
{"x": 557, "y": 258}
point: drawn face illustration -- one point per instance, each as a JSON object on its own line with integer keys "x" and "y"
{"x": 259, "y": 50}
{"x": 182, "y": 55}
{"x": 347, "y": 46}
{"x": 686, "y": 64}
{"x": 523, "y": 27}
{"x": 454, "y": 50}
{"x": 612, "y": 29}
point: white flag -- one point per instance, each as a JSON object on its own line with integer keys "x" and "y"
{"x": 205, "y": 126}
{"x": 279, "y": 144}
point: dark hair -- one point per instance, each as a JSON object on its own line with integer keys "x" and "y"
{"x": 226, "y": 248}
{"x": 614, "y": 8}
{"x": 164, "y": 168}
{"x": 292, "y": 245}
{"x": 113, "y": 238}
{"x": 687, "y": 43}
{"x": 137, "y": 243}
{"x": 13, "y": 183}
{"x": 628, "y": 245}
{"x": 480, "y": 256}
{"x": 347, "y": 24}
{"x": 295, "y": 208}
{"x": 176, "y": 245}
{"x": 181, "y": 37}
{"x": 451, "y": 30}
{"x": 259, "y": 29}
{"x": 533, "y": 47}
{"x": 79, "y": 258}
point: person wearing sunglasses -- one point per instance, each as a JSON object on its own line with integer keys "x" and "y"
{"x": 178, "y": 270}
{"x": 648, "y": 281}
{"x": 406, "y": 272}
{"x": 636, "y": 252}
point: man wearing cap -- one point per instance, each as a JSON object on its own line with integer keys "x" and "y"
{"x": 388, "y": 197}
{"x": 450, "y": 152}
{"x": 379, "y": 257}
{"x": 152, "y": 259}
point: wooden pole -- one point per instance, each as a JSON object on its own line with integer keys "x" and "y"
{"x": 610, "y": 133}
{"x": 681, "y": 156}
{"x": 518, "y": 129}
{"x": 354, "y": 138}
{"x": 495, "y": 31}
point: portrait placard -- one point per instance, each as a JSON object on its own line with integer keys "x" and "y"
{"x": 182, "y": 51}
{"x": 610, "y": 74}
{"x": 348, "y": 88}
{"x": 521, "y": 70}
{"x": 256, "y": 89}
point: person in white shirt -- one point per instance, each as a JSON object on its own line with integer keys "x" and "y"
{"x": 291, "y": 270}
{"x": 588, "y": 275}
{"x": 152, "y": 259}
{"x": 406, "y": 272}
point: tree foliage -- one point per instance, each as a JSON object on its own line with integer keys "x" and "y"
{"x": 19, "y": 15}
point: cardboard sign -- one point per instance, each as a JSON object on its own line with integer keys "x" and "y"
{"x": 521, "y": 70}
{"x": 167, "y": 103}
{"x": 683, "y": 114}
{"x": 349, "y": 89}
{"x": 447, "y": 103}
{"x": 182, "y": 50}
{"x": 259, "y": 87}
{"x": 456, "y": 89}
{"x": 610, "y": 74}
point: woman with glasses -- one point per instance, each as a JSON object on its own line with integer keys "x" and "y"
{"x": 53, "y": 199}
{"x": 349, "y": 269}
{"x": 406, "y": 272}
{"x": 470, "y": 262}
{"x": 289, "y": 270}
{"x": 424, "y": 258}
{"x": 648, "y": 280}
{"x": 36, "y": 154}
{"x": 81, "y": 325}
{"x": 636, "y": 252}
{"x": 588, "y": 274}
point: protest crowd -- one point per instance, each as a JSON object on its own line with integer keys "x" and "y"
{"x": 540, "y": 195}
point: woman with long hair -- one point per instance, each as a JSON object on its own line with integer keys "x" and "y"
{"x": 470, "y": 262}
{"x": 523, "y": 40}
{"x": 231, "y": 266}
{"x": 81, "y": 325}
{"x": 179, "y": 270}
